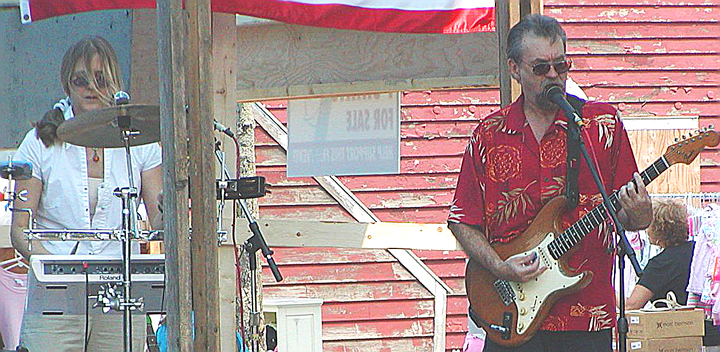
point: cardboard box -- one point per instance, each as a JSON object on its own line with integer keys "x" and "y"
{"x": 665, "y": 324}
{"x": 677, "y": 344}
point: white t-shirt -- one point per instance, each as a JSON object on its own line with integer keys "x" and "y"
{"x": 64, "y": 202}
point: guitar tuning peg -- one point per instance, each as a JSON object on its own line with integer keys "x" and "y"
{"x": 710, "y": 126}
{"x": 677, "y": 139}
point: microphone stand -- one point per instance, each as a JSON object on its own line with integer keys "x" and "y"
{"x": 624, "y": 248}
{"x": 252, "y": 245}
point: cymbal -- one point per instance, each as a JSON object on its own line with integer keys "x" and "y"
{"x": 99, "y": 128}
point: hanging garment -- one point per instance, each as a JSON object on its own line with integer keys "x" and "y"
{"x": 13, "y": 290}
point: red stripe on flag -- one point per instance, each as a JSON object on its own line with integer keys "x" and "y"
{"x": 330, "y": 16}
{"x": 359, "y": 18}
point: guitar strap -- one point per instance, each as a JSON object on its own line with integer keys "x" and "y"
{"x": 573, "y": 152}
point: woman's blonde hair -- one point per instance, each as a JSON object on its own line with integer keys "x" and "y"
{"x": 670, "y": 222}
{"x": 82, "y": 52}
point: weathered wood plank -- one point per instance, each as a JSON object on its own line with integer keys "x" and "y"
{"x": 681, "y": 46}
{"x": 328, "y": 255}
{"x": 410, "y": 344}
{"x": 341, "y": 273}
{"x": 609, "y": 14}
{"x": 333, "y": 212}
{"x": 409, "y": 198}
{"x": 282, "y": 60}
{"x": 594, "y": 60}
{"x": 634, "y": 3}
{"x": 411, "y": 164}
{"x": 420, "y": 215}
{"x": 402, "y": 328}
{"x": 381, "y": 310}
{"x": 277, "y": 179}
{"x": 173, "y": 129}
{"x": 650, "y": 94}
{"x": 645, "y": 78}
{"x": 384, "y": 235}
{"x": 369, "y": 291}
{"x": 431, "y": 255}
{"x": 683, "y": 29}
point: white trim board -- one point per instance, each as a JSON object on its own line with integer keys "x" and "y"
{"x": 634, "y": 123}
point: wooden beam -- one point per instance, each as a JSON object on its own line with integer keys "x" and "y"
{"x": 206, "y": 294}
{"x": 378, "y": 235}
{"x": 283, "y": 61}
{"x": 173, "y": 129}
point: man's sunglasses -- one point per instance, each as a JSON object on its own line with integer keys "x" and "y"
{"x": 82, "y": 82}
{"x": 543, "y": 68}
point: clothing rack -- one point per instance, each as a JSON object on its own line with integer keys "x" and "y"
{"x": 703, "y": 195}
{"x": 697, "y": 200}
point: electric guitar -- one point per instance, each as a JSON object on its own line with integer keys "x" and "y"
{"x": 511, "y": 312}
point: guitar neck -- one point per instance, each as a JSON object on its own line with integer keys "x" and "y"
{"x": 575, "y": 233}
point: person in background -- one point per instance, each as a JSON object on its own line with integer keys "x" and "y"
{"x": 669, "y": 270}
{"x": 72, "y": 188}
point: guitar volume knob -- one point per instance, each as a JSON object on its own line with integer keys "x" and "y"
{"x": 523, "y": 311}
{"x": 521, "y": 296}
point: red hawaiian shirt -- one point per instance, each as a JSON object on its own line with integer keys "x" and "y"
{"x": 507, "y": 177}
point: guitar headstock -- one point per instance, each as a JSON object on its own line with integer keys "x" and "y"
{"x": 687, "y": 149}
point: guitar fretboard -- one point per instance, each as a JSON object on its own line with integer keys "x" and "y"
{"x": 573, "y": 234}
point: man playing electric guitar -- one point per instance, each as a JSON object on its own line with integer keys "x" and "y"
{"x": 516, "y": 163}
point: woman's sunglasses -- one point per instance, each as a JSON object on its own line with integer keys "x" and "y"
{"x": 82, "y": 82}
{"x": 543, "y": 68}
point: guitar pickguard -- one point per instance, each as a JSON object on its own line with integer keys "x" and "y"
{"x": 530, "y": 296}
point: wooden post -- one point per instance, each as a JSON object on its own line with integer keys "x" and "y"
{"x": 204, "y": 242}
{"x": 224, "y": 31}
{"x": 502, "y": 26}
{"x": 171, "y": 72}
{"x": 246, "y": 139}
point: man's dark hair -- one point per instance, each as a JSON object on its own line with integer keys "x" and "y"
{"x": 538, "y": 25}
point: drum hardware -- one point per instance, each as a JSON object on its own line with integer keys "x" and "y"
{"x": 137, "y": 125}
{"x": 34, "y": 234}
{"x": 110, "y": 297}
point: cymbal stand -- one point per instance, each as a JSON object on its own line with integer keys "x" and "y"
{"x": 108, "y": 297}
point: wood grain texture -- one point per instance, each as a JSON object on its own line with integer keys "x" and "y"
{"x": 649, "y": 145}
{"x": 295, "y": 61}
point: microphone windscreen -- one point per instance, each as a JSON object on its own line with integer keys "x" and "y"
{"x": 552, "y": 91}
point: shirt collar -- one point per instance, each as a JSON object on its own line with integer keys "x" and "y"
{"x": 516, "y": 120}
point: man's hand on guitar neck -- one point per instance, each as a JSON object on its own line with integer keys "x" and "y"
{"x": 476, "y": 245}
{"x": 636, "y": 212}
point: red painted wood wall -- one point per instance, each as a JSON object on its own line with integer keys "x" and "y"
{"x": 648, "y": 57}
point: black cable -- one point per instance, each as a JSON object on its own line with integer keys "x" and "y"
{"x": 87, "y": 317}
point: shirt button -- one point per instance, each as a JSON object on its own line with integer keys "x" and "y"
{"x": 547, "y": 179}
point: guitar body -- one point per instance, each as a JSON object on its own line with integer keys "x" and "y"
{"x": 522, "y": 307}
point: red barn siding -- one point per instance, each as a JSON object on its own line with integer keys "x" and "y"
{"x": 649, "y": 58}
{"x": 652, "y": 57}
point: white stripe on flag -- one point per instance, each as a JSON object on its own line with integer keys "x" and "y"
{"x": 408, "y": 5}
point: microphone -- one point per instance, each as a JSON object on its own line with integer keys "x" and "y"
{"x": 556, "y": 95}
{"x": 220, "y": 128}
{"x": 121, "y": 98}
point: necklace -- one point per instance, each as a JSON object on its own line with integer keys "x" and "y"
{"x": 95, "y": 157}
